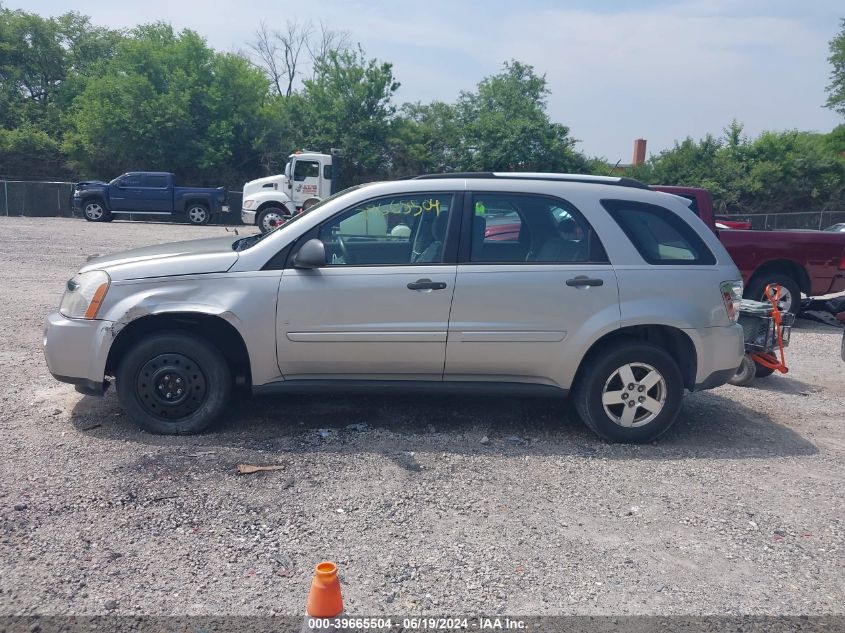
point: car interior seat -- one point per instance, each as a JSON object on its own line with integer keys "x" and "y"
{"x": 433, "y": 251}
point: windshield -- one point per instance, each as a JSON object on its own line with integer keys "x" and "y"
{"x": 248, "y": 242}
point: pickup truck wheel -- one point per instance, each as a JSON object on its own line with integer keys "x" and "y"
{"x": 95, "y": 211}
{"x": 790, "y": 293}
{"x": 629, "y": 392}
{"x": 271, "y": 217}
{"x": 174, "y": 383}
{"x": 198, "y": 214}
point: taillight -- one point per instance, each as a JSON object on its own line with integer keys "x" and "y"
{"x": 731, "y": 295}
{"x": 842, "y": 262}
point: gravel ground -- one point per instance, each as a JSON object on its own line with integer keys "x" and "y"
{"x": 737, "y": 510}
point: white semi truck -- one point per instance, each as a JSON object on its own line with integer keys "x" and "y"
{"x": 308, "y": 178}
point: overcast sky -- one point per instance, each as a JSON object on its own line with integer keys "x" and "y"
{"x": 618, "y": 70}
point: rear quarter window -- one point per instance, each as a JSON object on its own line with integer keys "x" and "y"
{"x": 659, "y": 235}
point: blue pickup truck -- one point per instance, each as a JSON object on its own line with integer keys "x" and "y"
{"x": 149, "y": 193}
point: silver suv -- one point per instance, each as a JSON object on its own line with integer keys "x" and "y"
{"x": 544, "y": 283}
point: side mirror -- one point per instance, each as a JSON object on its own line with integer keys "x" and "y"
{"x": 311, "y": 255}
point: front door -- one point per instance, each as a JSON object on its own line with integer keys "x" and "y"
{"x": 306, "y": 180}
{"x": 127, "y": 194}
{"x": 380, "y": 308}
{"x": 533, "y": 284}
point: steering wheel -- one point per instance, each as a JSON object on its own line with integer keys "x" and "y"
{"x": 343, "y": 250}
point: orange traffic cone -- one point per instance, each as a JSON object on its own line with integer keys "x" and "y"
{"x": 324, "y": 599}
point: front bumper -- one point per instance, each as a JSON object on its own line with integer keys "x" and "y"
{"x": 76, "y": 351}
{"x": 720, "y": 351}
{"x": 247, "y": 216}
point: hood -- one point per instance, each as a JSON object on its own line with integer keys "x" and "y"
{"x": 257, "y": 186}
{"x": 87, "y": 184}
{"x": 174, "y": 258}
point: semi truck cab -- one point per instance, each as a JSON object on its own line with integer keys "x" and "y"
{"x": 308, "y": 178}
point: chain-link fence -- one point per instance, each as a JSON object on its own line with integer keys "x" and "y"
{"x": 793, "y": 220}
{"x": 35, "y": 199}
{"x": 52, "y": 199}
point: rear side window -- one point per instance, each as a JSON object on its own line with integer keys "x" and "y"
{"x": 660, "y": 236}
{"x": 155, "y": 181}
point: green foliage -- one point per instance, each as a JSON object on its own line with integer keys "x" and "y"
{"x": 80, "y": 100}
{"x": 836, "y": 88}
{"x": 37, "y": 57}
{"x": 166, "y": 101}
{"x": 348, "y": 104}
{"x": 776, "y": 172}
{"x": 27, "y": 153}
{"x": 504, "y": 126}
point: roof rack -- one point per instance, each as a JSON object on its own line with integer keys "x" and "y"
{"x": 620, "y": 181}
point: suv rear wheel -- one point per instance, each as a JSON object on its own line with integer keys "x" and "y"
{"x": 174, "y": 383}
{"x": 629, "y": 392}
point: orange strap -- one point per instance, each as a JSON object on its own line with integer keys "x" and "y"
{"x": 771, "y": 360}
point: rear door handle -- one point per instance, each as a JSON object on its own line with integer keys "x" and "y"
{"x": 426, "y": 284}
{"x": 582, "y": 281}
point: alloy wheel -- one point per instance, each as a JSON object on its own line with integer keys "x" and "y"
{"x": 93, "y": 211}
{"x": 634, "y": 395}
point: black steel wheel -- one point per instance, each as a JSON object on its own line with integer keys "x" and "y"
{"x": 174, "y": 383}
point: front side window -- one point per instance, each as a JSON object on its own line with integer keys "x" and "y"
{"x": 306, "y": 169}
{"x": 658, "y": 234}
{"x": 531, "y": 229}
{"x": 132, "y": 180}
{"x": 408, "y": 229}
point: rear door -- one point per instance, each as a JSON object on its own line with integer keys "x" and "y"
{"x": 526, "y": 307}
{"x": 158, "y": 196}
{"x": 380, "y": 308}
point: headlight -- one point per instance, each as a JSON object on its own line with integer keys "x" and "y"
{"x": 84, "y": 295}
{"x": 248, "y": 204}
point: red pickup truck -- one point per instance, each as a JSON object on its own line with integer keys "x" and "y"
{"x": 809, "y": 262}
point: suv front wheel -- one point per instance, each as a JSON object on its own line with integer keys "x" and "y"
{"x": 629, "y": 392}
{"x": 174, "y": 383}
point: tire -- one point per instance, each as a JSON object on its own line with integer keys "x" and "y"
{"x": 309, "y": 203}
{"x": 761, "y": 371}
{"x": 163, "y": 363}
{"x": 790, "y": 292}
{"x": 95, "y": 210}
{"x": 197, "y": 214}
{"x": 601, "y": 375}
{"x": 745, "y": 373}
{"x": 109, "y": 217}
{"x": 271, "y": 217}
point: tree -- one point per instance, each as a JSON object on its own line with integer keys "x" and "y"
{"x": 280, "y": 52}
{"x": 505, "y": 126}
{"x": 775, "y": 172}
{"x": 39, "y": 57}
{"x": 348, "y": 104}
{"x": 836, "y": 88}
{"x": 167, "y": 101}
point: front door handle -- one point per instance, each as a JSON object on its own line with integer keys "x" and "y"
{"x": 582, "y": 281}
{"x": 426, "y": 284}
